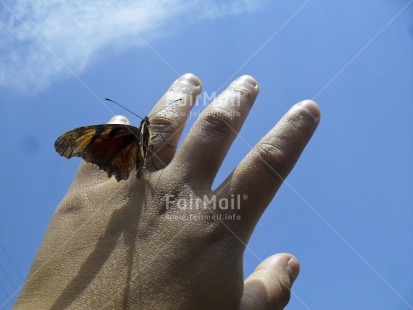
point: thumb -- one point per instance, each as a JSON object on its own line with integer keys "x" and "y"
{"x": 269, "y": 286}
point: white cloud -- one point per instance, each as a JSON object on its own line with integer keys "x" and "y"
{"x": 46, "y": 39}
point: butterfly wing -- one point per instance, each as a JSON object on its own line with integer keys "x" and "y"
{"x": 112, "y": 147}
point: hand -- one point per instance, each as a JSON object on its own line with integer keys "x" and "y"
{"x": 143, "y": 243}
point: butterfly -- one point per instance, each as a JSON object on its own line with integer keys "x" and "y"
{"x": 115, "y": 148}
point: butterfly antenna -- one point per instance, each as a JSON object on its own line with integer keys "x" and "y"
{"x": 123, "y": 107}
{"x": 180, "y": 99}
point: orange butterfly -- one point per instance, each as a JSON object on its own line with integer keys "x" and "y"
{"x": 114, "y": 148}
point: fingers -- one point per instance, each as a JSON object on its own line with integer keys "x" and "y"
{"x": 208, "y": 142}
{"x": 269, "y": 286}
{"x": 264, "y": 169}
{"x": 168, "y": 118}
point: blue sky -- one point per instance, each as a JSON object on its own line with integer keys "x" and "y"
{"x": 346, "y": 210}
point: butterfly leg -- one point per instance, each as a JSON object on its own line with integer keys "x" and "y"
{"x": 158, "y": 134}
{"x": 151, "y": 146}
{"x": 153, "y": 162}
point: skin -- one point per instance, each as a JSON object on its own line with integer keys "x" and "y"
{"x": 127, "y": 245}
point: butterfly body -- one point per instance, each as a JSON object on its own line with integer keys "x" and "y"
{"x": 115, "y": 148}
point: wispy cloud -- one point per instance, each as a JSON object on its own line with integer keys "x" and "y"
{"x": 41, "y": 40}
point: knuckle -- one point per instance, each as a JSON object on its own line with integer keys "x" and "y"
{"x": 272, "y": 156}
{"x": 219, "y": 122}
{"x": 164, "y": 125}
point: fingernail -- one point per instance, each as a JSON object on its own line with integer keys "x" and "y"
{"x": 311, "y": 107}
{"x": 190, "y": 78}
{"x": 293, "y": 268}
{"x": 246, "y": 79}
{"x": 246, "y": 82}
{"x": 119, "y": 119}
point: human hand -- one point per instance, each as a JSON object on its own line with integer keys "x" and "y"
{"x": 142, "y": 243}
